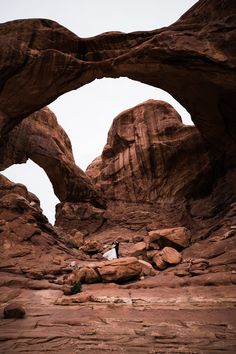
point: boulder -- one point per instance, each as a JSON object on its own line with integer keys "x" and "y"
{"x": 151, "y": 254}
{"x": 177, "y": 237}
{"x": 137, "y": 249}
{"x": 171, "y": 256}
{"x": 165, "y": 257}
{"x": 119, "y": 270}
{"x": 86, "y": 275}
{"x": 147, "y": 268}
{"x": 14, "y": 310}
{"x": 91, "y": 247}
{"x": 159, "y": 261}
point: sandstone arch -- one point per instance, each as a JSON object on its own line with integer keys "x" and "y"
{"x": 193, "y": 59}
{"x": 40, "y": 138}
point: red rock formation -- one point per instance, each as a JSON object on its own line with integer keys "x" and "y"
{"x": 26, "y": 235}
{"x": 40, "y": 138}
{"x": 194, "y": 59}
{"x": 150, "y": 155}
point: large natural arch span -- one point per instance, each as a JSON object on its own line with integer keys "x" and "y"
{"x": 194, "y": 59}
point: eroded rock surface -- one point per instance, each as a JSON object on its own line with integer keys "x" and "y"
{"x": 40, "y": 138}
{"x": 150, "y": 155}
{"x": 194, "y": 59}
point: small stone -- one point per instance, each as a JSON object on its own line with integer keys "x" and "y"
{"x": 14, "y": 311}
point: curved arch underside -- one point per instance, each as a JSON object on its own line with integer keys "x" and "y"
{"x": 194, "y": 59}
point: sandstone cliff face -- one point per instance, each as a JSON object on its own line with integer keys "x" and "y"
{"x": 40, "y": 138}
{"x": 25, "y": 232}
{"x": 194, "y": 59}
{"x": 150, "y": 155}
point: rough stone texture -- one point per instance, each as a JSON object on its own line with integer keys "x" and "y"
{"x": 136, "y": 249}
{"x": 193, "y": 59}
{"x": 167, "y": 256}
{"x": 150, "y": 155}
{"x": 14, "y": 310}
{"x": 80, "y": 216}
{"x": 188, "y": 307}
{"x": 177, "y": 238}
{"x": 119, "y": 270}
{"x": 87, "y": 275}
{"x": 40, "y": 138}
{"x": 171, "y": 256}
{"x": 159, "y": 261}
{"x": 31, "y": 248}
{"x": 111, "y": 319}
{"x": 91, "y": 247}
{"x": 147, "y": 268}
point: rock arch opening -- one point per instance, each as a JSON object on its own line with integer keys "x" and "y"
{"x": 37, "y": 182}
{"x": 87, "y": 113}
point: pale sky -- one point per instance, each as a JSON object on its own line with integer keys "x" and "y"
{"x": 87, "y": 113}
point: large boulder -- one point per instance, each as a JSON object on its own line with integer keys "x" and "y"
{"x": 177, "y": 237}
{"x": 167, "y": 256}
{"x": 119, "y": 270}
{"x": 136, "y": 250}
{"x": 116, "y": 270}
{"x": 87, "y": 275}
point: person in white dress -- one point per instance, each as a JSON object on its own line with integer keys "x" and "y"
{"x": 113, "y": 253}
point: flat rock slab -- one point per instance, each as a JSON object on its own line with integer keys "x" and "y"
{"x": 192, "y": 320}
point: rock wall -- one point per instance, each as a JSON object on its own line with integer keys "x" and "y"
{"x": 151, "y": 156}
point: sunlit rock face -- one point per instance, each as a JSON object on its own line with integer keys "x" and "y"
{"x": 150, "y": 155}
{"x": 40, "y": 138}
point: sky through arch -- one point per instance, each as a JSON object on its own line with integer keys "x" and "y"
{"x": 86, "y": 114}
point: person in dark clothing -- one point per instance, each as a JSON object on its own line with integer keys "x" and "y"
{"x": 117, "y": 244}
